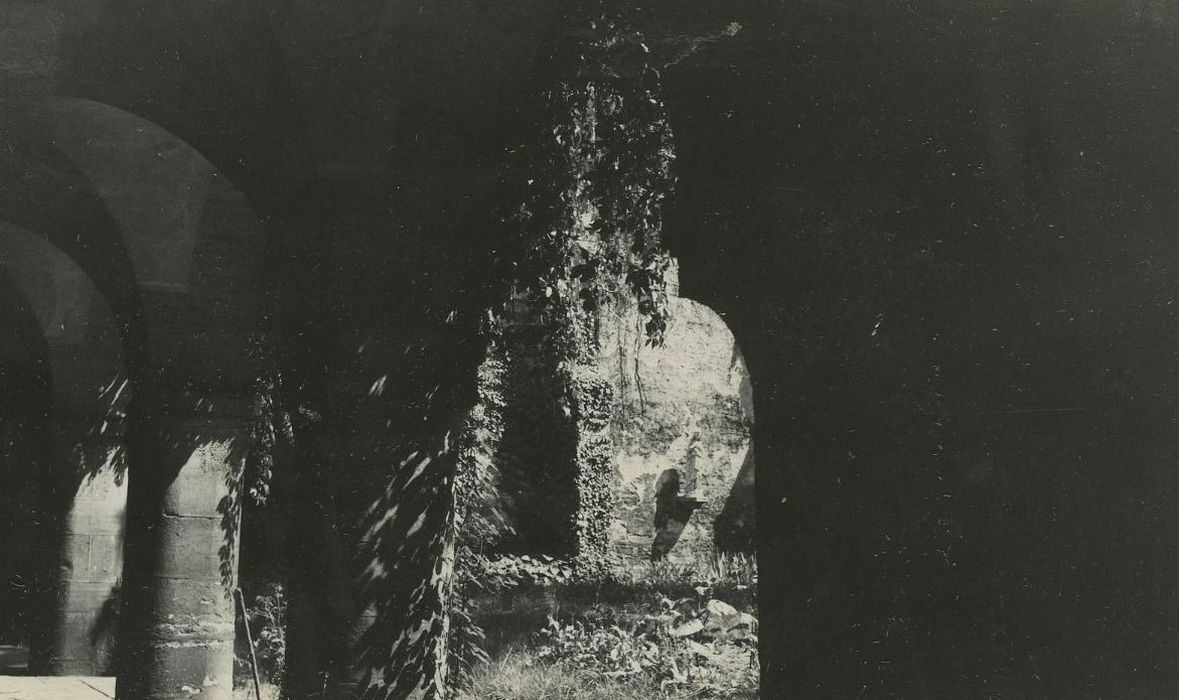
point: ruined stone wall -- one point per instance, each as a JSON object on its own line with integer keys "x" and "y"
{"x": 633, "y": 452}
{"x": 682, "y": 432}
{"x": 518, "y": 452}
{"x": 593, "y": 398}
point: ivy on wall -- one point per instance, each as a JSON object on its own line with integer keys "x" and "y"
{"x": 588, "y": 240}
{"x": 593, "y": 220}
{"x": 594, "y": 473}
{"x": 594, "y": 223}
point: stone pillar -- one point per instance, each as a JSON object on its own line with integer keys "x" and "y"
{"x": 84, "y": 510}
{"x": 593, "y": 398}
{"x": 83, "y": 499}
{"x": 183, "y": 514}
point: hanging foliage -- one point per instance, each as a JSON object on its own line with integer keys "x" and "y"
{"x": 588, "y": 238}
{"x": 594, "y": 216}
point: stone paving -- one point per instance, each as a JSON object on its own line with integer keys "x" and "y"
{"x": 63, "y": 688}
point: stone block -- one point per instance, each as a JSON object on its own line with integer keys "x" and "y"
{"x": 96, "y": 517}
{"x": 104, "y": 487}
{"x": 191, "y": 547}
{"x": 198, "y": 599}
{"x": 192, "y": 668}
{"x": 79, "y": 652}
{"x": 106, "y": 559}
{"x": 87, "y": 597}
{"x": 74, "y": 554}
{"x": 202, "y": 483}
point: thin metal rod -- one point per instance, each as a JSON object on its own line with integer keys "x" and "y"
{"x": 241, "y": 601}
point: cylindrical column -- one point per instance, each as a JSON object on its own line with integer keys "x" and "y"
{"x": 83, "y": 511}
{"x": 82, "y": 505}
{"x": 183, "y": 515}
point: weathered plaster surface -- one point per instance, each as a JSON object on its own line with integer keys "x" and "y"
{"x": 684, "y": 406}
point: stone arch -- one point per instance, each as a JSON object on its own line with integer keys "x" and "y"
{"x": 83, "y": 491}
{"x": 192, "y": 247}
{"x": 45, "y": 193}
{"x": 684, "y": 421}
{"x": 155, "y": 185}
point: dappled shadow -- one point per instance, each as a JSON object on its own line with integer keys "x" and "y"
{"x": 408, "y": 559}
{"x": 229, "y": 508}
{"x": 100, "y": 449}
{"x": 81, "y": 501}
{"x": 83, "y": 466}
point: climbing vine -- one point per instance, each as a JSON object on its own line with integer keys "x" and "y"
{"x": 588, "y": 236}
{"x": 594, "y": 474}
{"x": 594, "y": 216}
{"x": 612, "y": 145}
{"x": 270, "y": 428}
{"x": 479, "y": 520}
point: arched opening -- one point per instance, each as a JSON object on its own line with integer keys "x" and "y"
{"x": 683, "y": 436}
{"x": 674, "y": 441}
{"x": 195, "y": 248}
{"x": 175, "y": 248}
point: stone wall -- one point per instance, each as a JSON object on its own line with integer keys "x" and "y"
{"x": 682, "y": 429}
{"x": 664, "y": 469}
